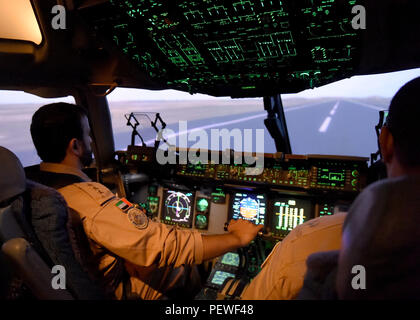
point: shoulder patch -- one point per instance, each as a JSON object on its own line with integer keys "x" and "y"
{"x": 138, "y": 218}
{"x": 123, "y": 204}
{"x": 96, "y": 191}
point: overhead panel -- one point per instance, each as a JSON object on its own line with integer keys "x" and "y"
{"x": 236, "y": 48}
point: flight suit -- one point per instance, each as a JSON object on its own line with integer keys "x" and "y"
{"x": 283, "y": 272}
{"x": 156, "y": 256}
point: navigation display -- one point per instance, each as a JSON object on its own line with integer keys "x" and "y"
{"x": 249, "y": 206}
{"x": 178, "y": 208}
{"x": 289, "y": 213}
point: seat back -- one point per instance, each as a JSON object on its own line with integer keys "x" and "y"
{"x": 59, "y": 237}
{"x": 39, "y": 215}
{"x": 9, "y": 227}
{"x": 33, "y": 270}
{"x": 381, "y": 238}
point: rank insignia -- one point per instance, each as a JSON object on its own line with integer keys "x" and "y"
{"x": 138, "y": 218}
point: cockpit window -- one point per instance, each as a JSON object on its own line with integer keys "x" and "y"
{"x": 337, "y": 119}
{"x": 340, "y": 118}
{"x": 187, "y": 117}
{"x": 16, "y": 110}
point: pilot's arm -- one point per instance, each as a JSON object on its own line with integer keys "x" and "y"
{"x": 129, "y": 234}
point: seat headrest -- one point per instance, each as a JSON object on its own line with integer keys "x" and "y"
{"x": 381, "y": 234}
{"x": 12, "y": 175}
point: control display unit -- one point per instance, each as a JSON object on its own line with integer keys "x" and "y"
{"x": 226, "y": 266}
{"x": 220, "y": 276}
{"x": 249, "y": 206}
{"x": 231, "y": 259}
{"x": 177, "y": 208}
{"x": 289, "y": 213}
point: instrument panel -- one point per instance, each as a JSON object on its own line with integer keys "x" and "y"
{"x": 290, "y": 190}
{"x": 279, "y": 211}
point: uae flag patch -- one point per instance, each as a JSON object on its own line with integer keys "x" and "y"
{"x": 123, "y": 205}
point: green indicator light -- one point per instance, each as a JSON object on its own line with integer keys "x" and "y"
{"x": 232, "y": 44}
{"x": 201, "y": 221}
{"x": 202, "y": 205}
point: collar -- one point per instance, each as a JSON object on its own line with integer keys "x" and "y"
{"x": 61, "y": 168}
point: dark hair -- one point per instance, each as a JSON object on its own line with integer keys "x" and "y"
{"x": 403, "y": 123}
{"x": 53, "y": 127}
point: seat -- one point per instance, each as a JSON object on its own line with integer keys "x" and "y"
{"x": 39, "y": 235}
{"x": 232, "y": 289}
{"x": 33, "y": 270}
{"x": 381, "y": 237}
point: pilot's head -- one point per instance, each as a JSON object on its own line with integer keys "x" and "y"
{"x": 400, "y": 138}
{"x": 61, "y": 134}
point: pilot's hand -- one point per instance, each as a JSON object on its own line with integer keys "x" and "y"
{"x": 244, "y": 230}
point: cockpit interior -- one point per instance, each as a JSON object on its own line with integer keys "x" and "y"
{"x": 237, "y": 49}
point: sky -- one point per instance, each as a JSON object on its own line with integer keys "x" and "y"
{"x": 383, "y": 85}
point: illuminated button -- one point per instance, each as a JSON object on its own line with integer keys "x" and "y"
{"x": 354, "y": 183}
{"x": 202, "y": 205}
{"x": 355, "y": 173}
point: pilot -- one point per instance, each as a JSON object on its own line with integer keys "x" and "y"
{"x": 379, "y": 230}
{"x": 137, "y": 257}
{"x": 283, "y": 272}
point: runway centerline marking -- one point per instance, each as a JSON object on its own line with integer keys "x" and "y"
{"x": 324, "y": 126}
{"x": 334, "y": 109}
